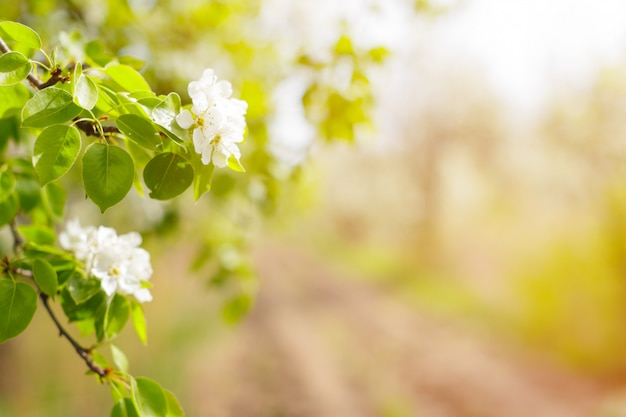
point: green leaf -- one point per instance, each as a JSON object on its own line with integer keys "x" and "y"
{"x": 86, "y": 311}
{"x": 95, "y": 52}
{"x": 127, "y": 78}
{"x": 119, "y": 358}
{"x": 202, "y": 179}
{"x": 13, "y": 99}
{"x": 14, "y": 67}
{"x": 139, "y": 321}
{"x": 56, "y": 150}
{"x": 125, "y": 408}
{"x": 29, "y": 192}
{"x": 173, "y": 406}
{"x": 107, "y": 174}
{"x": 82, "y": 289}
{"x": 38, "y": 234}
{"x": 117, "y": 315}
{"x": 236, "y": 308}
{"x": 18, "y": 302}
{"x": 45, "y": 277}
{"x": 149, "y": 397}
{"x": 8, "y": 209}
{"x": 21, "y": 34}
{"x": 85, "y": 92}
{"x": 167, "y": 175}
{"x": 117, "y": 389}
{"x": 7, "y": 183}
{"x": 139, "y": 130}
{"x": 132, "y": 62}
{"x": 55, "y": 196}
{"x": 235, "y": 165}
{"x": 49, "y": 106}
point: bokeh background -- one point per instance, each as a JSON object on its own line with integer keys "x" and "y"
{"x": 462, "y": 252}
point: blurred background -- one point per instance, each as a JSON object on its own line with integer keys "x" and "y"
{"x": 433, "y": 227}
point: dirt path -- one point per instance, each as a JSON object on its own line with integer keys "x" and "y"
{"x": 319, "y": 345}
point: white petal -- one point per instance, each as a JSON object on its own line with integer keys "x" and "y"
{"x": 132, "y": 239}
{"x": 109, "y": 285}
{"x": 185, "y": 119}
{"x": 208, "y": 76}
{"x": 199, "y": 141}
{"x": 143, "y": 295}
{"x": 224, "y": 88}
{"x": 219, "y": 158}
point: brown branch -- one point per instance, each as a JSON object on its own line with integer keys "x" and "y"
{"x": 17, "y": 239}
{"x": 84, "y": 353}
{"x": 91, "y": 128}
{"x": 56, "y": 76}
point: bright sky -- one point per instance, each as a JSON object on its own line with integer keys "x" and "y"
{"x": 528, "y": 46}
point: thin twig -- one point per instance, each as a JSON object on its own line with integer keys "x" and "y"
{"x": 82, "y": 352}
{"x": 17, "y": 239}
{"x": 56, "y": 76}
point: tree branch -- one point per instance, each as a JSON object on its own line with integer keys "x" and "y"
{"x": 56, "y": 76}
{"x": 84, "y": 353}
{"x": 17, "y": 240}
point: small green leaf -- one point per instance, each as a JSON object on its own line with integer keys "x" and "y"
{"x": 14, "y": 67}
{"x": 119, "y": 358}
{"x": 82, "y": 289}
{"x": 118, "y": 389}
{"x": 236, "y": 308}
{"x": 8, "y": 209}
{"x": 7, "y": 182}
{"x": 125, "y": 407}
{"x": 117, "y": 315}
{"x": 29, "y": 192}
{"x": 48, "y": 107}
{"x": 132, "y": 62}
{"x": 56, "y": 150}
{"x": 55, "y": 196}
{"x": 45, "y": 277}
{"x": 13, "y": 99}
{"x": 18, "y": 302}
{"x": 149, "y": 397}
{"x": 38, "y": 234}
{"x": 167, "y": 175}
{"x": 139, "y": 321}
{"x": 86, "y": 311}
{"x": 202, "y": 179}
{"x": 139, "y": 130}
{"x": 95, "y": 52}
{"x": 107, "y": 174}
{"x": 127, "y": 78}
{"x": 85, "y": 92}
{"x": 21, "y": 34}
{"x": 173, "y": 406}
{"x": 235, "y": 165}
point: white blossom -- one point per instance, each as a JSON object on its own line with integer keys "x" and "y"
{"x": 117, "y": 261}
{"x": 217, "y": 119}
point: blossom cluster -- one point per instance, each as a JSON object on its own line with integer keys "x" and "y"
{"x": 217, "y": 119}
{"x": 117, "y": 261}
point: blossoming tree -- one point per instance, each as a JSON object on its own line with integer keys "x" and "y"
{"x": 100, "y": 278}
{"x": 80, "y": 111}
